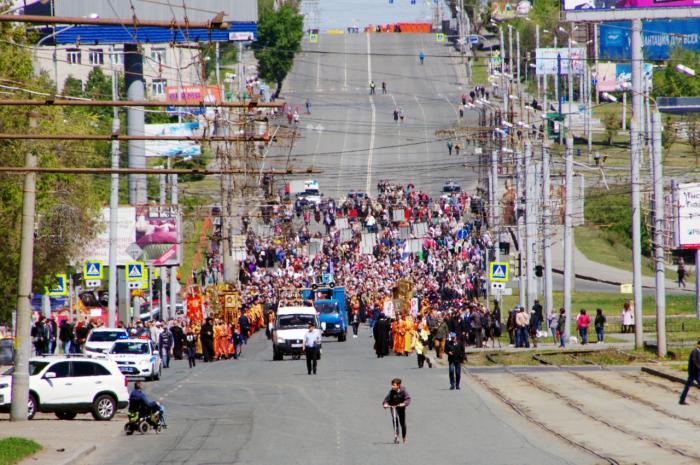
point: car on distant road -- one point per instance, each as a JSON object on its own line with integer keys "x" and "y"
{"x": 137, "y": 358}
{"x": 100, "y": 340}
{"x": 451, "y": 187}
{"x": 71, "y": 384}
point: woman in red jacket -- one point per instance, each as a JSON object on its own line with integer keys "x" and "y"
{"x": 582, "y": 323}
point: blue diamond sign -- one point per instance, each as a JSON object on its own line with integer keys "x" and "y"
{"x": 498, "y": 271}
{"x": 93, "y": 270}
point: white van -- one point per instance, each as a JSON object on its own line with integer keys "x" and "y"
{"x": 288, "y": 333}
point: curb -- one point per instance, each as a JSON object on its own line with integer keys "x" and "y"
{"x": 662, "y": 374}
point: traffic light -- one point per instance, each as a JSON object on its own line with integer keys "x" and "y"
{"x": 538, "y": 271}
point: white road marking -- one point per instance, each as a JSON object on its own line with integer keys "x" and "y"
{"x": 425, "y": 129}
{"x": 318, "y": 70}
{"x": 345, "y": 64}
{"x": 374, "y": 117}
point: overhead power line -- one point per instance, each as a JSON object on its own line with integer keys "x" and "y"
{"x": 135, "y": 103}
{"x": 205, "y": 172}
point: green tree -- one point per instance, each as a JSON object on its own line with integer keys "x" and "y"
{"x": 668, "y": 82}
{"x": 279, "y": 40}
{"x": 612, "y": 125}
{"x": 73, "y": 87}
{"x": 65, "y": 204}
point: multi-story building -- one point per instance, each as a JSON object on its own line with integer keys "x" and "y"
{"x": 163, "y": 64}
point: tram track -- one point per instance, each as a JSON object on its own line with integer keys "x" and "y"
{"x": 581, "y": 409}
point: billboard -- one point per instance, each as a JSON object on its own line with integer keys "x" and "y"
{"x": 205, "y": 10}
{"x": 659, "y": 38}
{"x": 172, "y": 148}
{"x": 503, "y": 10}
{"x": 194, "y": 95}
{"x": 570, "y": 5}
{"x": 687, "y": 200}
{"x": 617, "y": 77}
{"x": 547, "y": 60}
{"x": 152, "y": 231}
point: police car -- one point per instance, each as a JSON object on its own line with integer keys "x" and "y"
{"x": 137, "y": 358}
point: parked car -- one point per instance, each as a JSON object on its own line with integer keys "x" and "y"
{"x": 100, "y": 340}
{"x": 71, "y": 384}
{"x": 137, "y": 358}
{"x": 7, "y": 351}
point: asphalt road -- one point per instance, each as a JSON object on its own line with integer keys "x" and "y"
{"x": 258, "y": 411}
{"x": 352, "y": 136}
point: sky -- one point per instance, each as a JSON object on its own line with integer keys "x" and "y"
{"x": 346, "y": 13}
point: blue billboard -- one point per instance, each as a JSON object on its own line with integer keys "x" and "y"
{"x": 659, "y": 37}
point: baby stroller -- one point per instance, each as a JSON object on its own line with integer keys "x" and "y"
{"x": 138, "y": 421}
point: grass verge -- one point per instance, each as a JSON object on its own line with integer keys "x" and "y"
{"x": 13, "y": 450}
{"x": 596, "y": 246}
{"x": 558, "y": 357}
{"x": 683, "y": 304}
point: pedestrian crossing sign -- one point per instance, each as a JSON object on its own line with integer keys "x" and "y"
{"x": 60, "y": 287}
{"x": 135, "y": 271}
{"x": 440, "y": 37}
{"x": 313, "y": 38}
{"x": 92, "y": 269}
{"x": 498, "y": 271}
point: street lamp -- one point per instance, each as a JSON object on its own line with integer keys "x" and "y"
{"x": 685, "y": 70}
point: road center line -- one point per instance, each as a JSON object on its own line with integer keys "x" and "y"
{"x": 345, "y": 63}
{"x": 374, "y": 117}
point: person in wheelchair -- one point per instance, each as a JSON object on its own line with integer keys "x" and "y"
{"x": 140, "y": 406}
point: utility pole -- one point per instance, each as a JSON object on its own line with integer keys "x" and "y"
{"x": 546, "y": 231}
{"x": 569, "y": 206}
{"x": 520, "y": 219}
{"x": 133, "y": 69}
{"x": 173, "y": 269}
{"x": 637, "y": 108}
{"x": 659, "y": 265}
{"x": 113, "y": 212}
{"x": 517, "y": 61}
{"x": 539, "y": 81}
{"x": 504, "y": 89}
{"x": 163, "y": 271}
{"x": 530, "y": 226}
{"x": 20, "y": 375}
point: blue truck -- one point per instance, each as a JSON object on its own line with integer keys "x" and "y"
{"x": 330, "y": 304}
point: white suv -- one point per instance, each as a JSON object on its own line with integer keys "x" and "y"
{"x": 68, "y": 385}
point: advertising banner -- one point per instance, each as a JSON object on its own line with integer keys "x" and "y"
{"x": 547, "y": 61}
{"x": 617, "y": 77}
{"x": 569, "y": 5}
{"x": 687, "y": 232}
{"x": 659, "y": 38}
{"x": 195, "y": 95}
{"x": 172, "y": 148}
{"x": 150, "y": 230}
{"x": 502, "y": 10}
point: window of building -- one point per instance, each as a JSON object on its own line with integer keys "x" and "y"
{"x": 116, "y": 57}
{"x": 158, "y": 86}
{"x": 158, "y": 55}
{"x": 74, "y": 56}
{"x": 96, "y": 56}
